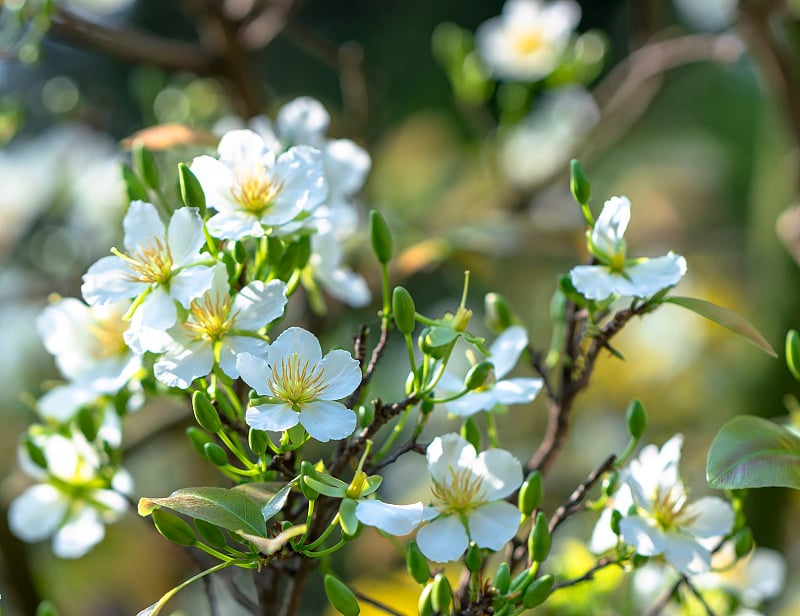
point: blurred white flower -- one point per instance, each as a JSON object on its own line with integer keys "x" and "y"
{"x": 708, "y": 15}
{"x": 303, "y": 386}
{"x": 525, "y": 42}
{"x": 617, "y": 274}
{"x": 504, "y": 354}
{"x": 336, "y": 278}
{"x": 219, "y": 327}
{"x": 72, "y": 503}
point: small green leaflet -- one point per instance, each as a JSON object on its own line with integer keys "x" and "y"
{"x": 726, "y": 318}
{"x": 752, "y": 452}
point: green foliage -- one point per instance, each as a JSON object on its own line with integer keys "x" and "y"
{"x": 341, "y": 597}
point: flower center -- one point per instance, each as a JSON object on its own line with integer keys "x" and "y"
{"x": 210, "y": 316}
{"x": 669, "y": 509}
{"x": 528, "y": 42}
{"x": 463, "y": 493}
{"x": 255, "y": 191}
{"x": 150, "y": 262}
{"x": 107, "y": 337}
{"x": 297, "y": 382}
{"x": 617, "y": 263}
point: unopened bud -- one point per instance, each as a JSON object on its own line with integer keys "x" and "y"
{"x": 424, "y": 605}
{"x": 192, "y": 194}
{"x": 474, "y": 557}
{"x": 134, "y": 187}
{"x": 403, "y": 310}
{"x": 215, "y": 454}
{"x": 579, "y": 183}
{"x": 198, "y": 438}
{"x": 340, "y": 596}
{"x": 743, "y": 541}
{"x": 381, "y": 237}
{"x": 636, "y": 418}
{"x": 502, "y": 579}
{"x": 257, "y": 441}
{"x": 307, "y": 470}
{"x": 539, "y": 539}
{"x": 793, "y": 353}
{"x": 538, "y": 591}
{"x": 530, "y": 493}
{"x": 416, "y": 563}
{"x": 442, "y": 594}
{"x": 498, "y": 315}
{"x": 479, "y": 375}
{"x": 205, "y": 413}
{"x": 146, "y": 165}
{"x": 471, "y": 433}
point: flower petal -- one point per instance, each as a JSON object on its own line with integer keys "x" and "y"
{"x": 506, "y": 349}
{"x": 233, "y": 346}
{"x": 216, "y": 180}
{"x": 295, "y": 340}
{"x": 494, "y": 524}
{"x": 257, "y": 304}
{"x": 302, "y": 120}
{"x": 342, "y": 374}
{"x": 398, "y": 520}
{"x": 190, "y": 283}
{"x": 471, "y": 402}
{"x": 80, "y": 534}
{"x": 649, "y": 276}
{"x": 62, "y": 402}
{"x": 346, "y": 166}
{"x": 325, "y": 420}
{"x": 303, "y": 185}
{"x": 109, "y": 280}
{"x": 710, "y": 517}
{"x": 519, "y": 390}
{"x": 37, "y": 512}
{"x": 596, "y": 281}
{"x": 185, "y": 236}
{"x": 142, "y": 224}
{"x": 501, "y": 473}
{"x": 271, "y": 417}
{"x": 443, "y": 540}
{"x": 685, "y": 554}
{"x": 254, "y": 371}
{"x": 180, "y": 365}
{"x": 235, "y": 225}
{"x": 241, "y": 149}
{"x": 446, "y": 452}
{"x": 611, "y": 224}
{"x": 642, "y": 534}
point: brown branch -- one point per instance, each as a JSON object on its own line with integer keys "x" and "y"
{"x": 377, "y": 604}
{"x": 604, "y": 562}
{"x": 575, "y": 499}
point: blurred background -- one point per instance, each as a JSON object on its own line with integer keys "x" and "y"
{"x": 691, "y": 109}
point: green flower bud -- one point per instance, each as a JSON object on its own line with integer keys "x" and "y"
{"x": 192, "y": 194}
{"x": 616, "y": 518}
{"x": 210, "y": 533}
{"x": 793, "y": 352}
{"x": 498, "y": 315}
{"x": 474, "y": 557}
{"x": 215, "y": 454}
{"x": 638, "y": 560}
{"x": 502, "y": 579}
{"x": 610, "y": 484}
{"x": 275, "y": 250}
{"x": 307, "y": 470}
{"x": 427, "y": 406}
{"x": 579, "y": 183}
{"x": 636, "y": 418}
{"x": 240, "y": 253}
{"x": 173, "y": 528}
{"x": 87, "y": 423}
{"x": 341, "y": 597}
{"x": 145, "y": 164}
{"x": 471, "y": 433}
{"x": 35, "y": 452}
{"x": 539, "y": 539}
{"x": 404, "y": 310}
{"x": 134, "y": 187}
{"x": 205, "y": 413}
{"x": 424, "y": 604}
{"x": 381, "y": 237}
{"x": 366, "y": 415}
{"x": 416, "y": 563}
{"x": 198, "y": 438}
{"x": 257, "y": 441}
{"x": 479, "y": 375}
{"x": 538, "y": 591}
{"x": 530, "y": 493}
{"x": 743, "y": 541}
{"x": 347, "y": 517}
{"x": 46, "y": 608}
{"x": 442, "y": 594}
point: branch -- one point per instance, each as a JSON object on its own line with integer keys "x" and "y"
{"x": 573, "y": 502}
{"x": 377, "y": 604}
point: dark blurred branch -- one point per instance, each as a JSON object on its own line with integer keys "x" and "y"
{"x": 573, "y": 504}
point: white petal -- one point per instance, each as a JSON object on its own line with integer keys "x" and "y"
{"x": 519, "y": 390}
{"x": 241, "y": 149}
{"x": 501, "y": 473}
{"x": 494, "y": 524}
{"x": 610, "y": 226}
{"x": 471, "y": 403}
{"x": 108, "y": 280}
{"x": 710, "y": 517}
{"x": 398, "y": 520}
{"x": 257, "y": 304}
{"x": 446, "y": 452}
{"x": 216, "y": 180}
{"x": 596, "y": 281}
{"x": 346, "y": 166}
{"x": 185, "y": 236}
{"x": 142, "y": 223}
{"x": 80, "y": 534}
{"x": 342, "y": 374}
{"x": 685, "y": 554}
{"x": 443, "y": 540}
{"x": 179, "y": 366}
{"x": 190, "y": 283}
{"x": 303, "y": 120}
{"x": 111, "y": 503}
{"x": 235, "y": 225}
{"x": 650, "y": 276}
{"x": 254, "y": 371}
{"x": 506, "y": 349}
{"x": 271, "y": 417}
{"x": 325, "y": 420}
{"x": 643, "y": 534}
{"x": 62, "y": 402}
{"x": 346, "y": 286}
{"x": 603, "y": 538}
{"x": 300, "y": 171}
{"x": 295, "y": 340}
{"x": 156, "y": 311}
{"x": 37, "y": 512}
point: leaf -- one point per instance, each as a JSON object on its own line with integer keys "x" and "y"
{"x": 752, "y": 452}
{"x": 261, "y": 491}
{"x": 440, "y": 335}
{"x": 276, "y": 503}
{"x": 232, "y": 509}
{"x": 726, "y": 318}
{"x": 270, "y": 546}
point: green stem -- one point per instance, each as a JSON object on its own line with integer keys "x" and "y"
{"x": 387, "y": 302}
{"x": 325, "y": 534}
{"x": 326, "y": 551}
{"x": 396, "y": 431}
{"x": 491, "y": 429}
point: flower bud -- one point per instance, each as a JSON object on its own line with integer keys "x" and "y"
{"x": 479, "y": 375}
{"x": 87, "y": 423}
{"x": 46, "y": 608}
{"x": 192, "y": 194}
{"x": 470, "y": 433}
{"x": 205, "y": 413}
{"x": 442, "y": 594}
{"x": 743, "y": 541}
{"x": 307, "y": 470}
{"x": 145, "y": 164}
{"x": 530, "y": 493}
{"x": 403, "y": 310}
{"x": 636, "y": 418}
{"x": 427, "y": 406}
{"x": 538, "y": 591}
{"x": 416, "y": 563}
{"x": 793, "y": 352}
{"x": 240, "y": 252}
{"x": 498, "y": 315}
{"x": 35, "y": 452}
{"x": 381, "y": 237}
{"x": 173, "y": 528}
{"x": 257, "y": 441}
{"x": 616, "y": 518}
{"x": 366, "y": 415}
{"x": 134, "y": 187}
{"x": 215, "y": 454}
{"x": 198, "y": 438}
{"x": 639, "y": 560}
{"x": 210, "y": 533}
{"x": 579, "y": 184}
{"x": 340, "y": 596}
{"x": 539, "y": 539}
{"x": 474, "y": 557}
{"x": 424, "y": 605}
{"x": 347, "y": 517}
{"x": 502, "y": 579}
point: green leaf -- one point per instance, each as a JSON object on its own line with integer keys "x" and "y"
{"x": 276, "y": 503}
{"x": 441, "y": 334}
{"x": 229, "y": 508}
{"x": 726, "y": 318}
{"x": 752, "y": 452}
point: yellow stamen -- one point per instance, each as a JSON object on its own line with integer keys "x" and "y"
{"x": 210, "y": 316}
{"x": 463, "y": 493}
{"x": 151, "y": 262}
{"x": 256, "y": 191}
{"x": 297, "y": 383}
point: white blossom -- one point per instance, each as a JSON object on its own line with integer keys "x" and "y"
{"x": 302, "y": 386}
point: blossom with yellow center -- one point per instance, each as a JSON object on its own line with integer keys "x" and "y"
{"x": 301, "y": 386}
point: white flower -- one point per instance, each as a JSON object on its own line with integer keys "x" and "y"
{"x": 72, "y": 504}
{"x": 252, "y": 187}
{"x": 337, "y": 279}
{"x": 158, "y": 267}
{"x": 663, "y": 521}
{"x": 468, "y": 499}
{"x": 303, "y": 386}
{"x": 504, "y": 354}
{"x": 616, "y": 274}
{"x": 524, "y": 43}
{"x": 220, "y": 327}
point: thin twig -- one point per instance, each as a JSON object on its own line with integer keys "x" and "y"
{"x": 575, "y": 499}
{"x": 377, "y": 604}
{"x": 604, "y": 562}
